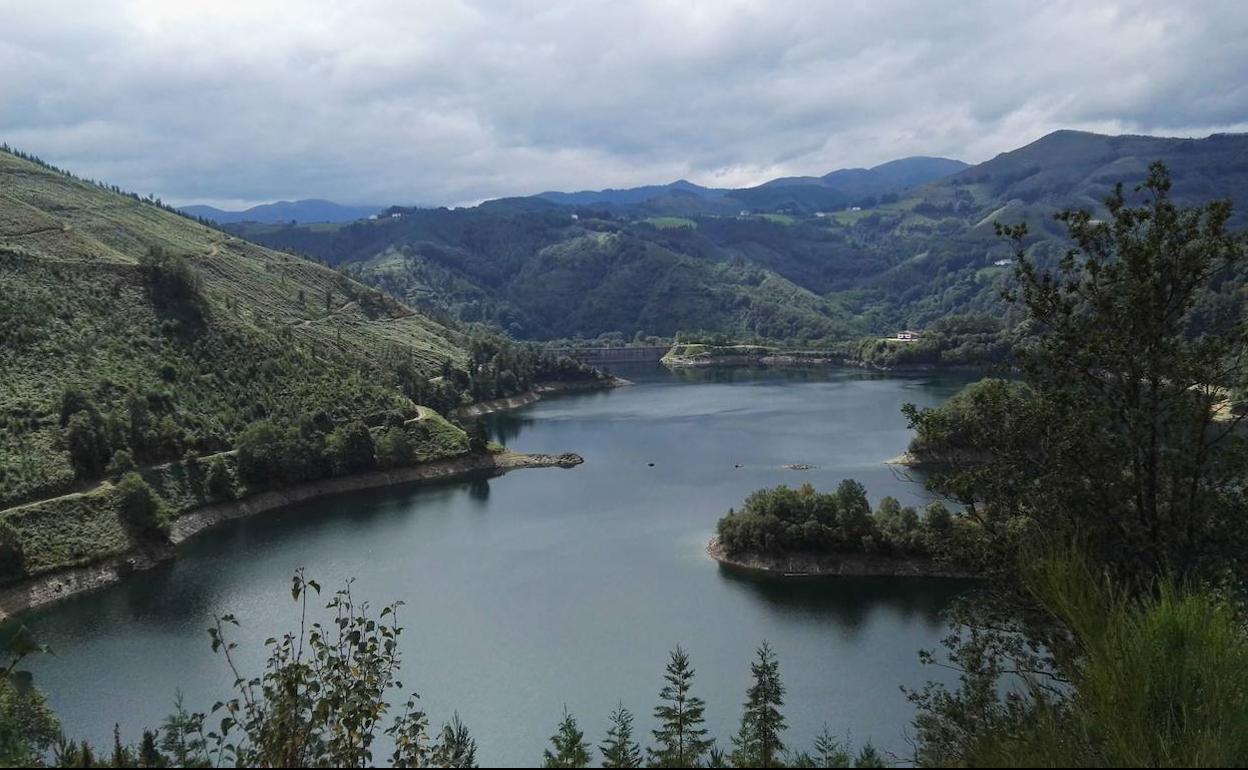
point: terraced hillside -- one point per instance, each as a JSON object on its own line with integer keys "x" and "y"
{"x": 127, "y": 328}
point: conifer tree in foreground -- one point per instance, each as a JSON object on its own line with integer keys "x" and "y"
{"x": 570, "y": 748}
{"x": 869, "y": 756}
{"x": 829, "y": 752}
{"x": 619, "y": 749}
{"x": 458, "y": 748}
{"x": 681, "y": 738}
{"x": 758, "y": 743}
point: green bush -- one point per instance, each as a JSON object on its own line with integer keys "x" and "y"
{"x": 220, "y": 485}
{"x": 394, "y": 448}
{"x": 270, "y": 454}
{"x": 171, "y": 281}
{"x": 140, "y": 508}
{"x": 12, "y": 554}
{"x": 478, "y": 437}
{"x": 350, "y": 448}
{"x": 87, "y": 444}
{"x": 121, "y": 464}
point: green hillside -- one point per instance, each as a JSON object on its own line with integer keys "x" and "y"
{"x": 124, "y": 326}
{"x": 802, "y": 274}
{"x": 547, "y": 274}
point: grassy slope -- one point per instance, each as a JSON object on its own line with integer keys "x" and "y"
{"x": 279, "y": 336}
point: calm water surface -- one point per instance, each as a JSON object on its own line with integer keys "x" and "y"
{"x": 541, "y": 588}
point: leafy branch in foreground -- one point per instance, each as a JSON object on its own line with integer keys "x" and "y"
{"x": 321, "y": 702}
{"x": 322, "y": 698}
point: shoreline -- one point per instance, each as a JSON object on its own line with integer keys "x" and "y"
{"x": 816, "y": 565}
{"x": 535, "y": 394}
{"x": 51, "y": 587}
{"x": 797, "y": 360}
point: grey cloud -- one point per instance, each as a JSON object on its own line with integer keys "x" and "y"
{"x": 449, "y": 103}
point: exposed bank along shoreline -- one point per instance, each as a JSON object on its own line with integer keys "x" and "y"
{"x": 54, "y": 586}
{"x": 46, "y": 588}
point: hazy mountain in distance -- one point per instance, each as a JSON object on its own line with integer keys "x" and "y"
{"x": 834, "y": 190}
{"x": 886, "y": 177}
{"x": 310, "y": 210}
{"x": 632, "y": 195}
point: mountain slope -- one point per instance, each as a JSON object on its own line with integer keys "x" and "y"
{"x": 310, "y": 210}
{"x": 905, "y": 258}
{"x": 1077, "y": 168}
{"x": 171, "y": 335}
{"x": 545, "y": 274}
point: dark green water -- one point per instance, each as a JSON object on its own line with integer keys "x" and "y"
{"x": 547, "y": 587}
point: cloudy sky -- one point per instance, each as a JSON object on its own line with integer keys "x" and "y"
{"x": 446, "y": 102}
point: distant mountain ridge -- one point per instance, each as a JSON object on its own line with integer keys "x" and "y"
{"x": 802, "y": 259}
{"x": 311, "y": 210}
{"x": 835, "y": 189}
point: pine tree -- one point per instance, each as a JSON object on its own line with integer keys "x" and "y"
{"x": 869, "y": 757}
{"x": 149, "y": 754}
{"x": 86, "y": 757}
{"x": 758, "y": 743}
{"x": 457, "y": 748}
{"x": 681, "y": 737}
{"x": 829, "y": 752}
{"x": 571, "y": 750}
{"x": 120, "y": 755}
{"x": 619, "y": 749}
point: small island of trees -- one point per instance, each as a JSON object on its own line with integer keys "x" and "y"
{"x": 782, "y": 520}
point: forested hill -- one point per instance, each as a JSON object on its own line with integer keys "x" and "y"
{"x": 546, "y": 274}
{"x": 787, "y": 267}
{"x": 172, "y": 336}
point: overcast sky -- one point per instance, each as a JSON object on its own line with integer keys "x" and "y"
{"x": 233, "y": 103}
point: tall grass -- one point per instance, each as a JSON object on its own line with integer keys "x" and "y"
{"x": 1157, "y": 681}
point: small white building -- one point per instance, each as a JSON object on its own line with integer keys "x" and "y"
{"x": 1003, "y": 262}
{"x": 396, "y": 215}
{"x": 908, "y": 335}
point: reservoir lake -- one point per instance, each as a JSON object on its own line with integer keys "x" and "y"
{"x": 543, "y": 588}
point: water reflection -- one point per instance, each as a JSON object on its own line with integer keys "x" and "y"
{"x": 849, "y": 600}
